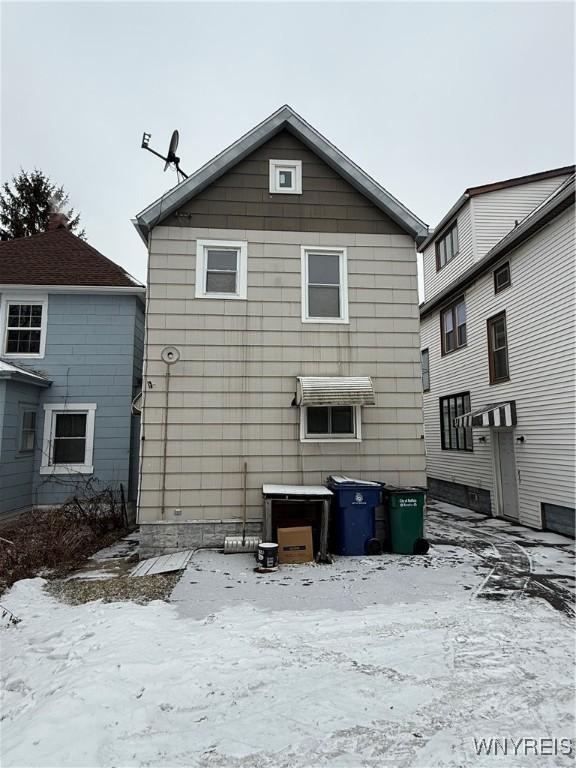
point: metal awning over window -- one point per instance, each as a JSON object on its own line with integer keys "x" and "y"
{"x": 335, "y": 390}
{"x": 491, "y": 415}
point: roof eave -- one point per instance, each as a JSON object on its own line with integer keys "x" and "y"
{"x": 24, "y": 378}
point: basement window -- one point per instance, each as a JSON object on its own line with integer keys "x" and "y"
{"x": 221, "y": 269}
{"x": 286, "y": 177}
{"x": 330, "y": 423}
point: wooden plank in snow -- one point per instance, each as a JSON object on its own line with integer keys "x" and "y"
{"x": 162, "y": 564}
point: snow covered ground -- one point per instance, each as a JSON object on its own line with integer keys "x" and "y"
{"x": 388, "y": 661}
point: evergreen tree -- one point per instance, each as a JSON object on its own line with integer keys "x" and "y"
{"x": 27, "y": 202}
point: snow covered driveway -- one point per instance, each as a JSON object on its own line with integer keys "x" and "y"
{"x": 371, "y": 662}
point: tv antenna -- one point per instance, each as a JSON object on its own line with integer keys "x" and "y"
{"x": 171, "y": 158}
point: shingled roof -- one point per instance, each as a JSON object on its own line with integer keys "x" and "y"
{"x": 58, "y": 257}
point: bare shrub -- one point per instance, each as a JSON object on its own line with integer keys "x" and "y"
{"x": 59, "y": 539}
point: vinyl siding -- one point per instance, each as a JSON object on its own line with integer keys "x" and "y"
{"x": 482, "y": 222}
{"x": 496, "y": 213}
{"x": 435, "y": 281}
{"x": 540, "y": 325}
{"x": 232, "y": 389}
{"x": 90, "y": 358}
{"x": 16, "y": 468}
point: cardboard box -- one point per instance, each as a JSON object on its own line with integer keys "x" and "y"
{"x": 295, "y": 545}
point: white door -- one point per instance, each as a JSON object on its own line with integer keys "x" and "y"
{"x": 507, "y": 474}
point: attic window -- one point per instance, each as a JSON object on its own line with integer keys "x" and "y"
{"x": 286, "y": 177}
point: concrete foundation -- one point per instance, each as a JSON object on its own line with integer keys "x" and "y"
{"x": 460, "y": 495}
{"x": 163, "y": 538}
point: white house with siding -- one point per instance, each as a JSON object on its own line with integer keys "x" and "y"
{"x": 497, "y": 338}
{"x": 282, "y": 334}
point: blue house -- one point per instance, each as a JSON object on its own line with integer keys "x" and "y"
{"x": 72, "y": 338}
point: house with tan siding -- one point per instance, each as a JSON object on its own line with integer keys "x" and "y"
{"x": 498, "y": 351}
{"x": 282, "y": 333}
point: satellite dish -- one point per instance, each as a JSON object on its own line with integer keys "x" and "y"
{"x": 171, "y": 157}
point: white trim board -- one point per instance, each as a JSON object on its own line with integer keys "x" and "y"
{"x": 332, "y": 250}
{"x": 16, "y": 297}
{"x": 87, "y": 468}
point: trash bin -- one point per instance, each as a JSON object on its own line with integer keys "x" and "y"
{"x": 405, "y": 512}
{"x": 353, "y": 513}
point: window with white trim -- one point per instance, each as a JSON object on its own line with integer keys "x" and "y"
{"x": 68, "y": 443}
{"x": 324, "y": 285}
{"x": 221, "y": 269}
{"x": 322, "y": 423}
{"x": 24, "y": 321}
{"x": 286, "y": 177}
{"x": 27, "y": 430}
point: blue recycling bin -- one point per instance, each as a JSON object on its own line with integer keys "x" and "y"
{"x": 353, "y": 513}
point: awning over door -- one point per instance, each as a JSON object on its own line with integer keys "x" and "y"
{"x": 491, "y": 415}
{"x": 335, "y": 390}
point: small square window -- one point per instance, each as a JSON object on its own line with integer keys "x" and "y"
{"x": 286, "y": 177}
{"x": 502, "y": 277}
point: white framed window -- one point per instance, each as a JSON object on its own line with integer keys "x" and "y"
{"x": 68, "y": 443}
{"x": 330, "y": 423}
{"x": 27, "y": 429}
{"x": 23, "y": 325}
{"x": 221, "y": 269}
{"x": 286, "y": 177}
{"x": 324, "y": 285}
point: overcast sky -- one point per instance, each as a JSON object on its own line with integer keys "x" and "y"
{"x": 429, "y": 98}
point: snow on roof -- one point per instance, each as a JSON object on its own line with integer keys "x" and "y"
{"x": 10, "y": 370}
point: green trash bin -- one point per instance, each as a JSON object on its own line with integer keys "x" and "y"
{"x": 405, "y": 512}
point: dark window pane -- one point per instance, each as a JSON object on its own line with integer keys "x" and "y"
{"x": 461, "y": 313}
{"x": 23, "y": 342}
{"x": 70, "y": 425}
{"x": 445, "y": 423}
{"x": 500, "y": 364}
{"x": 69, "y": 450}
{"x": 285, "y": 179}
{"x": 323, "y": 302}
{"x": 499, "y": 331}
{"x": 342, "y": 420}
{"x": 324, "y": 268}
{"x": 455, "y": 240}
{"x": 502, "y": 277}
{"x": 318, "y": 420}
{"x": 462, "y": 335}
{"x": 223, "y": 259}
{"x": 221, "y": 282}
{"x": 29, "y": 420}
{"x": 425, "y": 370}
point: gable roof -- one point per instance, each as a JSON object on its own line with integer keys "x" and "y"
{"x": 493, "y": 187}
{"x": 58, "y": 257}
{"x": 284, "y": 118}
{"x": 557, "y": 202}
